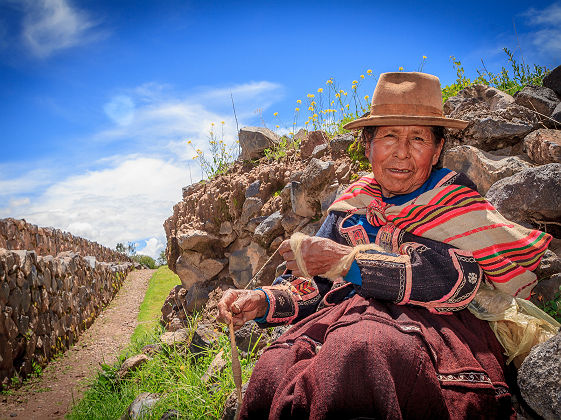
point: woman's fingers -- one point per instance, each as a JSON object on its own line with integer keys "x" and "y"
{"x": 241, "y": 305}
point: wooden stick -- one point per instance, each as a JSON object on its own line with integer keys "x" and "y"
{"x": 236, "y": 367}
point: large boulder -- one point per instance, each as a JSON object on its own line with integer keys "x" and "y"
{"x": 537, "y": 98}
{"x": 539, "y": 378}
{"x": 314, "y": 138}
{"x": 493, "y": 99}
{"x": 495, "y": 121}
{"x": 544, "y": 146}
{"x": 304, "y": 195}
{"x": 553, "y": 80}
{"x": 254, "y": 141}
{"x": 483, "y": 168}
{"x": 556, "y": 114}
{"x": 245, "y": 262}
{"x": 530, "y": 197}
{"x": 269, "y": 229}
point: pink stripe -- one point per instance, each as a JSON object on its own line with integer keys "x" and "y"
{"x": 481, "y": 229}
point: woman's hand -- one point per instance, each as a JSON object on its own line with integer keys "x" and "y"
{"x": 319, "y": 255}
{"x": 241, "y": 306}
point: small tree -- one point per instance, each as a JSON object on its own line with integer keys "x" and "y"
{"x": 131, "y": 249}
{"x": 162, "y": 260}
{"x": 121, "y": 248}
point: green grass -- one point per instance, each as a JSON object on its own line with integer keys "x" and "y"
{"x": 160, "y": 284}
{"x": 173, "y": 372}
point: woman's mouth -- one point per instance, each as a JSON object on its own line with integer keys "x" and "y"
{"x": 399, "y": 171}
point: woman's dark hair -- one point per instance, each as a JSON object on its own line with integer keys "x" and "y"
{"x": 368, "y": 134}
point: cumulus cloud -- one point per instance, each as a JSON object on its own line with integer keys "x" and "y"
{"x": 52, "y": 25}
{"x": 117, "y": 204}
{"x": 126, "y": 196}
{"x": 151, "y": 247}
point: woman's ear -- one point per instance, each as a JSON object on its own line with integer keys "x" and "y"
{"x": 437, "y": 152}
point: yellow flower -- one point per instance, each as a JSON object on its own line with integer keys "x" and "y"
{"x": 424, "y": 57}
{"x": 332, "y": 103}
{"x": 212, "y": 124}
{"x": 400, "y": 68}
{"x": 181, "y": 367}
{"x": 297, "y": 109}
{"x": 305, "y": 122}
{"x": 369, "y": 71}
{"x": 347, "y": 106}
{"x": 298, "y": 101}
{"x": 355, "y": 82}
{"x": 366, "y": 97}
{"x": 320, "y": 90}
{"x": 310, "y": 108}
{"x": 310, "y": 95}
{"x": 291, "y": 133}
{"x": 341, "y": 91}
{"x": 337, "y": 95}
{"x": 188, "y": 141}
{"x": 313, "y": 103}
{"x": 353, "y": 86}
{"x": 345, "y": 93}
{"x": 315, "y": 115}
{"x": 277, "y": 126}
{"x": 275, "y": 114}
{"x": 222, "y": 122}
{"x": 362, "y": 76}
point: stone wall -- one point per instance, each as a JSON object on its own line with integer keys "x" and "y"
{"x": 224, "y": 230}
{"x": 18, "y": 234}
{"x": 46, "y": 301}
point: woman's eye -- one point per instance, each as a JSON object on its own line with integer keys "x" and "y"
{"x": 419, "y": 139}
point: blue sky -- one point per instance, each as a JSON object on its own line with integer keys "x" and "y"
{"x": 98, "y": 98}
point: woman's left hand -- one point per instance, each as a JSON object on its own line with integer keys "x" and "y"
{"x": 319, "y": 255}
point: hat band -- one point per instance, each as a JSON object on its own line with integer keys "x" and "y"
{"x": 405, "y": 109}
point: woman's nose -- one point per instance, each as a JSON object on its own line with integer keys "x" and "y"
{"x": 402, "y": 150}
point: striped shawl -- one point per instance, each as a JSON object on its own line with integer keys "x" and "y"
{"x": 459, "y": 216}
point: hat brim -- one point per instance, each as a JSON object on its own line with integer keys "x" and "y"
{"x": 371, "y": 121}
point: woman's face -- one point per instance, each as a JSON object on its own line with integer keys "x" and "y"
{"x": 402, "y": 157}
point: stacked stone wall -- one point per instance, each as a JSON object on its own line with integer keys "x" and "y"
{"x": 19, "y": 234}
{"x": 46, "y": 302}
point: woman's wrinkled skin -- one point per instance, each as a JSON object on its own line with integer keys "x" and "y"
{"x": 402, "y": 158}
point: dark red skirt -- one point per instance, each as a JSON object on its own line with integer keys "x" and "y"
{"x": 369, "y": 359}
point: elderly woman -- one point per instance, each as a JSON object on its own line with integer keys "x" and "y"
{"x": 390, "y": 338}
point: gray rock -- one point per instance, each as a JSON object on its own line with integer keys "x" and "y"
{"x": 215, "y": 368}
{"x": 197, "y": 240}
{"x": 251, "y": 207}
{"x": 311, "y": 228}
{"x": 268, "y": 229}
{"x": 225, "y": 228}
{"x": 493, "y": 99}
{"x": 302, "y": 204}
{"x": 483, "y": 168}
{"x": 290, "y": 221}
{"x": 204, "y": 337}
{"x": 193, "y": 188}
{"x": 529, "y": 196}
{"x": 537, "y": 98}
{"x": 231, "y": 404}
{"x": 91, "y": 260}
{"x": 553, "y": 80}
{"x": 179, "y": 337}
{"x": 546, "y": 290}
{"x": 253, "y": 189}
{"x": 320, "y": 150}
{"x": 197, "y": 296}
{"x": 539, "y": 378}
{"x": 556, "y": 114}
{"x": 318, "y": 174}
{"x": 141, "y": 406}
{"x": 549, "y": 265}
{"x": 328, "y": 196}
{"x": 250, "y": 337}
{"x": 244, "y": 263}
{"x": 314, "y": 138}
{"x": 544, "y": 146}
{"x": 252, "y": 224}
{"x": 132, "y": 363}
{"x": 340, "y": 144}
{"x": 187, "y": 271}
{"x": 254, "y": 140}
{"x": 170, "y": 414}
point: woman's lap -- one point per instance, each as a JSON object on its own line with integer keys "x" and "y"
{"x": 363, "y": 358}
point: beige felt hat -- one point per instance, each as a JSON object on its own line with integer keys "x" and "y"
{"x": 407, "y": 98}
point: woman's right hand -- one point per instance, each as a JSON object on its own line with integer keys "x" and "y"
{"x": 241, "y": 306}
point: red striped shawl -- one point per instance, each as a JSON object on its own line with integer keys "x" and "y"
{"x": 458, "y": 215}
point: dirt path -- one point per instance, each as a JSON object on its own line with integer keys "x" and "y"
{"x": 51, "y": 395}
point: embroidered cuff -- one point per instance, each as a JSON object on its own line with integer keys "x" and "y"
{"x": 263, "y": 318}
{"x": 353, "y": 276}
{"x": 282, "y": 307}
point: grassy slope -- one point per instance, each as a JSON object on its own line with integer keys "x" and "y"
{"x": 173, "y": 373}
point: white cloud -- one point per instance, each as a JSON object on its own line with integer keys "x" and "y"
{"x": 52, "y": 25}
{"x": 152, "y": 247}
{"x": 545, "y": 34}
{"x": 118, "y": 204}
{"x": 120, "y": 109}
{"x": 127, "y": 196}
